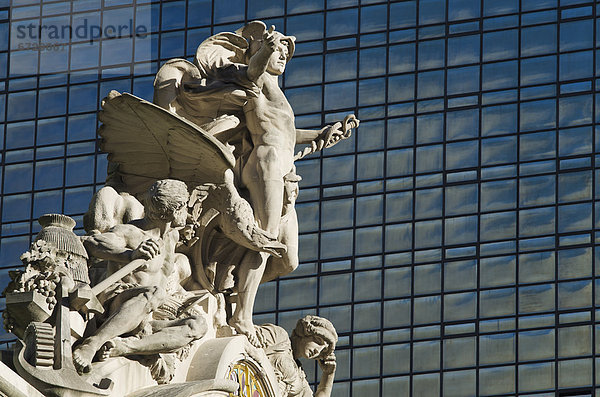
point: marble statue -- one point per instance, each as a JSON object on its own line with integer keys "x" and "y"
{"x": 314, "y": 338}
{"x": 229, "y": 99}
{"x": 197, "y": 211}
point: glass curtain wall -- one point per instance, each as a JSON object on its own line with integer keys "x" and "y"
{"x": 451, "y": 241}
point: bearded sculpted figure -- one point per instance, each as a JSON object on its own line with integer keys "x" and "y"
{"x": 139, "y": 304}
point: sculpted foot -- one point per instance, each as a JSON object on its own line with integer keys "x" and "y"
{"x": 82, "y": 358}
{"x": 113, "y": 348}
{"x": 245, "y": 327}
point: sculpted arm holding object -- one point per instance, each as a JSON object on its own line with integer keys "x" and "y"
{"x": 132, "y": 299}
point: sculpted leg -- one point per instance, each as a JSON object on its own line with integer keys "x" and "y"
{"x": 129, "y": 313}
{"x": 288, "y": 235}
{"x": 263, "y": 177}
{"x": 250, "y": 274}
{"x": 168, "y": 337}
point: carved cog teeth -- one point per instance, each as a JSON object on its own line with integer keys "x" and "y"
{"x": 39, "y": 342}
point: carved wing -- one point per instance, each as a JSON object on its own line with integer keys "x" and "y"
{"x": 151, "y": 143}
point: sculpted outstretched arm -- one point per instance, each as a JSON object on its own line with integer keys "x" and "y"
{"x": 257, "y": 65}
{"x": 325, "y": 137}
{"x": 307, "y": 136}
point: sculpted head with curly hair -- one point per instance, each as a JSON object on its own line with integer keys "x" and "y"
{"x": 167, "y": 200}
{"x": 314, "y": 338}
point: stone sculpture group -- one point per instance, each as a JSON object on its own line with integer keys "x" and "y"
{"x": 198, "y": 210}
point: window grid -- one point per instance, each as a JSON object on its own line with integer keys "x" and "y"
{"x": 355, "y": 346}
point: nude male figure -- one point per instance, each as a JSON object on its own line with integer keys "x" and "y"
{"x": 132, "y": 300}
{"x": 269, "y": 168}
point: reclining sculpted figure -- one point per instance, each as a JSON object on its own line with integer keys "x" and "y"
{"x": 140, "y": 318}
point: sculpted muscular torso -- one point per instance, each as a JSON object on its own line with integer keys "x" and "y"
{"x": 132, "y": 299}
{"x": 269, "y": 173}
{"x": 270, "y": 120}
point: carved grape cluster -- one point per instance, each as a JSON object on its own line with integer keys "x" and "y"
{"x": 41, "y": 254}
{"x": 42, "y": 282}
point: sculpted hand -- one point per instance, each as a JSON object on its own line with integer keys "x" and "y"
{"x": 331, "y": 135}
{"x": 328, "y": 364}
{"x": 147, "y": 250}
{"x": 269, "y": 39}
{"x": 339, "y": 131}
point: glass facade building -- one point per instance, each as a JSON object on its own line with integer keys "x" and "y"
{"x": 451, "y": 241}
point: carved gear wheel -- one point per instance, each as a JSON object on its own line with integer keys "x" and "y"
{"x": 39, "y": 344}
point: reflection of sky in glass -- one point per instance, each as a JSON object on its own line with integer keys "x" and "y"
{"x": 67, "y": 37}
{"x": 451, "y": 239}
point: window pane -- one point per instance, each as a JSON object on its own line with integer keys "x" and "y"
{"x": 535, "y": 299}
{"x": 538, "y": 190}
{"x": 428, "y": 203}
{"x": 427, "y": 310}
{"x": 402, "y": 57}
{"x": 537, "y": 221}
{"x": 463, "y": 9}
{"x": 460, "y": 275}
{"x": 342, "y": 22}
{"x": 537, "y": 146}
{"x": 340, "y": 95}
{"x": 575, "y": 141}
{"x": 463, "y": 80}
{"x": 499, "y": 302}
{"x": 498, "y": 226}
{"x": 336, "y": 244}
{"x": 574, "y": 294}
{"x": 500, "y": 45}
{"x": 538, "y": 70}
{"x": 460, "y": 307}
{"x": 429, "y": 158}
{"x": 431, "y": 54}
{"x": 499, "y": 75}
{"x": 536, "y": 345}
{"x": 497, "y": 349}
{"x": 49, "y": 174}
{"x": 538, "y": 114}
{"x": 538, "y": 40}
{"x": 576, "y": 35}
{"x": 536, "y": 267}
{"x": 373, "y": 18}
{"x": 426, "y": 356}
{"x": 498, "y": 150}
{"x": 462, "y": 155}
{"x": 403, "y": 14}
{"x": 16, "y": 208}
{"x": 370, "y": 165}
{"x": 80, "y": 170}
{"x": 498, "y": 120}
{"x": 430, "y": 84}
{"x": 498, "y": 380}
{"x": 17, "y": 178}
